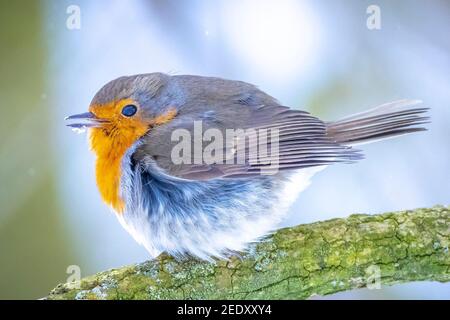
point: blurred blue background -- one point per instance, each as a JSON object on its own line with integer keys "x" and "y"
{"x": 313, "y": 55}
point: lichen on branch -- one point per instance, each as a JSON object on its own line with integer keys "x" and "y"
{"x": 294, "y": 263}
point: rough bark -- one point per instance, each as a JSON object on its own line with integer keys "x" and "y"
{"x": 294, "y": 263}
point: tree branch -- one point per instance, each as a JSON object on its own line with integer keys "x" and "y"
{"x": 319, "y": 258}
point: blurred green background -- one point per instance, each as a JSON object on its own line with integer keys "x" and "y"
{"x": 34, "y": 246}
{"x": 317, "y": 55}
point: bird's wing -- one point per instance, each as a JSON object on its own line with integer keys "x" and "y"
{"x": 295, "y": 140}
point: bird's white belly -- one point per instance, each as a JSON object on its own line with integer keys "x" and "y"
{"x": 246, "y": 218}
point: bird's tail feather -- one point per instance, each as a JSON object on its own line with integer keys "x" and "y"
{"x": 385, "y": 121}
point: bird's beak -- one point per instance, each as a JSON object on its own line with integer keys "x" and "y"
{"x": 85, "y": 120}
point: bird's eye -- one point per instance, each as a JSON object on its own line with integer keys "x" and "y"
{"x": 129, "y": 110}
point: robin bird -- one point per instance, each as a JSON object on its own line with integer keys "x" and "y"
{"x": 211, "y": 209}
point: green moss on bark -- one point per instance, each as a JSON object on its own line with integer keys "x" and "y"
{"x": 294, "y": 263}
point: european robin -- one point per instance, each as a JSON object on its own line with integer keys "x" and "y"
{"x": 210, "y": 208}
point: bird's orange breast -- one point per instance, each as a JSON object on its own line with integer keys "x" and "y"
{"x": 108, "y": 168}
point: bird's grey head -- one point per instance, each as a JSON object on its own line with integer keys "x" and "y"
{"x": 140, "y": 88}
{"x": 128, "y": 102}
